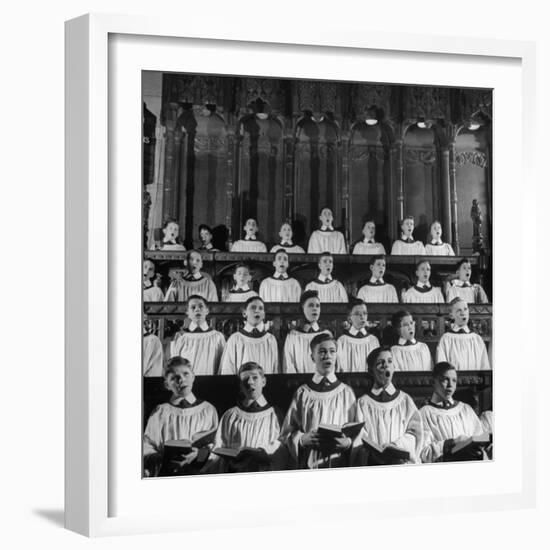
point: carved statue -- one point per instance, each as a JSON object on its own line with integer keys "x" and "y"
{"x": 477, "y": 220}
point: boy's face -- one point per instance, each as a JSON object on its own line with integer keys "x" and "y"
{"x": 423, "y": 272}
{"x": 324, "y": 357}
{"x": 252, "y": 384}
{"x": 445, "y": 385}
{"x": 358, "y": 316}
{"x": 383, "y": 369}
{"x": 242, "y": 276}
{"x": 179, "y": 381}
{"x": 251, "y": 227}
{"x": 205, "y": 236}
{"x": 326, "y": 264}
{"x": 171, "y": 231}
{"x": 197, "y": 310}
{"x": 378, "y": 269}
{"x": 460, "y": 313}
{"x": 194, "y": 263}
{"x": 280, "y": 263}
{"x": 148, "y": 270}
{"x": 407, "y": 227}
{"x": 407, "y": 328}
{"x": 255, "y": 313}
{"x": 312, "y": 309}
{"x": 436, "y": 231}
{"x": 326, "y": 217}
{"x": 369, "y": 230}
{"x": 285, "y": 233}
{"x": 464, "y": 272}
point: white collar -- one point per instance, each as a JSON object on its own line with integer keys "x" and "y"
{"x": 324, "y": 278}
{"x": 369, "y": 241}
{"x": 354, "y": 332}
{"x": 465, "y": 328}
{"x": 390, "y": 389}
{"x": 436, "y": 400}
{"x": 247, "y": 238}
{"x": 246, "y": 288}
{"x": 202, "y": 326}
{"x": 405, "y": 238}
{"x": 402, "y": 341}
{"x": 197, "y": 275}
{"x": 330, "y": 377}
{"x": 191, "y": 399}
{"x": 374, "y": 279}
{"x": 437, "y": 242}
{"x": 327, "y": 228}
{"x": 422, "y": 285}
{"x": 249, "y": 328}
{"x": 278, "y": 275}
{"x": 147, "y": 283}
{"x": 314, "y": 325}
{"x": 261, "y": 401}
{"x": 459, "y": 283}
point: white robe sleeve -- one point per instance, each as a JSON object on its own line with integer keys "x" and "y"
{"x": 481, "y": 295}
{"x": 292, "y": 430}
{"x": 152, "y": 438}
{"x": 228, "y": 361}
{"x": 411, "y": 440}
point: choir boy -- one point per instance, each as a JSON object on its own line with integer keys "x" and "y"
{"x": 153, "y": 354}
{"x": 391, "y": 418}
{"x": 252, "y": 342}
{"x": 423, "y": 292}
{"x": 356, "y": 343}
{"x": 462, "y": 287}
{"x": 460, "y": 346}
{"x": 241, "y": 290}
{"x": 286, "y": 234}
{"x": 377, "y": 290}
{"x": 322, "y": 400}
{"x": 280, "y": 287}
{"x": 250, "y": 243}
{"x": 436, "y": 247}
{"x": 170, "y": 240}
{"x": 368, "y": 245}
{"x": 406, "y": 245}
{"x": 205, "y": 235}
{"x": 194, "y": 282}
{"x": 199, "y": 343}
{"x": 297, "y": 351}
{"x": 446, "y": 421}
{"x": 151, "y": 289}
{"x": 329, "y": 289}
{"x": 252, "y": 424}
{"x": 409, "y": 354}
{"x": 181, "y": 418}
{"x": 326, "y": 238}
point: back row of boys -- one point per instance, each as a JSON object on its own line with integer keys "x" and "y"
{"x": 325, "y": 425}
{"x": 280, "y": 287}
{"x": 326, "y": 238}
{"x": 209, "y": 353}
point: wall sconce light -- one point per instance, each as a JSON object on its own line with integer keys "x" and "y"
{"x": 371, "y": 117}
{"x": 423, "y": 123}
{"x": 475, "y": 122}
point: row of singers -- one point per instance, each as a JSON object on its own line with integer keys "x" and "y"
{"x": 325, "y": 425}
{"x": 281, "y": 287}
{"x": 324, "y": 239}
{"x": 210, "y": 354}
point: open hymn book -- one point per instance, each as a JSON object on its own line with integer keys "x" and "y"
{"x": 385, "y": 454}
{"x": 350, "y": 429}
{"x": 470, "y": 447}
{"x": 185, "y": 446}
{"x": 254, "y": 453}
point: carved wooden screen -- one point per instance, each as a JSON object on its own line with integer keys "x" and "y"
{"x": 260, "y": 192}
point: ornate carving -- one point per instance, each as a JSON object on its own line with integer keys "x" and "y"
{"x": 317, "y": 97}
{"x": 426, "y": 101}
{"x": 366, "y": 95}
{"x": 476, "y": 158}
{"x": 361, "y": 152}
{"x": 419, "y": 156}
{"x": 474, "y": 100}
{"x": 209, "y": 143}
{"x": 269, "y": 90}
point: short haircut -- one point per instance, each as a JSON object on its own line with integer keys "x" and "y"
{"x": 242, "y": 265}
{"x": 369, "y": 221}
{"x": 420, "y": 262}
{"x": 189, "y": 252}
{"x": 204, "y": 226}
{"x": 441, "y": 368}
{"x": 409, "y": 217}
{"x": 250, "y": 300}
{"x": 456, "y": 300}
{"x": 281, "y": 250}
{"x": 197, "y": 297}
{"x": 356, "y": 302}
{"x": 397, "y": 317}
{"x": 434, "y": 222}
{"x": 325, "y": 208}
{"x": 176, "y": 362}
{"x": 373, "y": 259}
{"x": 168, "y": 221}
{"x": 319, "y": 339}
{"x": 149, "y": 262}
{"x": 253, "y": 219}
{"x": 306, "y": 295}
{"x": 373, "y": 356}
{"x": 249, "y": 366}
{"x": 325, "y": 254}
{"x": 462, "y": 261}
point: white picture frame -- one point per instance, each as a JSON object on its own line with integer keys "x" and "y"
{"x": 103, "y": 53}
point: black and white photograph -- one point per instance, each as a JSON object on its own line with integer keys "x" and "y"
{"x": 317, "y": 274}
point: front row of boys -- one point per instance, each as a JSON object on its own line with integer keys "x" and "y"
{"x": 210, "y": 354}
{"x": 392, "y": 429}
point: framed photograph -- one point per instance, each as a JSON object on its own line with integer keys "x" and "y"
{"x": 271, "y": 241}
